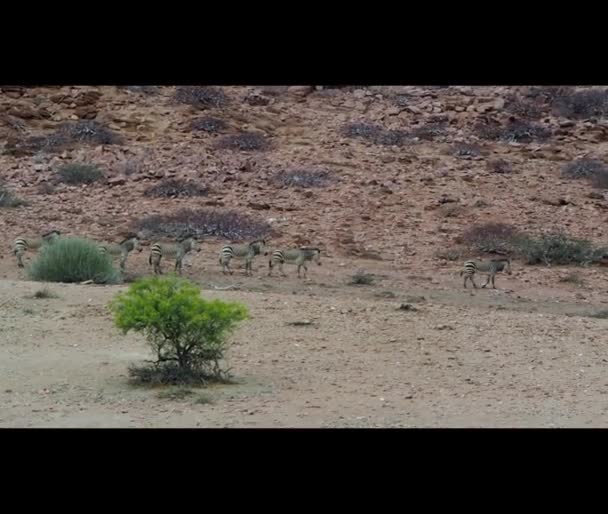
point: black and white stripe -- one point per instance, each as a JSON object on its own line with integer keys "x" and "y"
{"x": 299, "y": 256}
{"x": 178, "y": 251}
{"x": 244, "y": 251}
{"x": 22, "y": 245}
{"x": 491, "y": 268}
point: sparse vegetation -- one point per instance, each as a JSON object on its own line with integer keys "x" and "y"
{"x": 572, "y": 278}
{"x": 582, "y": 104}
{"x": 558, "y": 249}
{"x": 361, "y": 279}
{"x": 501, "y": 166}
{"x": 584, "y": 168}
{"x": 143, "y": 90}
{"x": 518, "y": 131}
{"x": 243, "y": 142}
{"x": 430, "y": 131}
{"x": 46, "y": 188}
{"x": 600, "y": 180}
{"x": 466, "y": 150}
{"x": 177, "y": 393}
{"x": 44, "y": 294}
{"x": 73, "y": 260}
{"x": 9, "y": 200}
{"x": 302, "y": 177}
{"x": 176, "y": 188}
{"x": 603, "y": 314}
{"x": 79, "y": 174}
{"x": 201, "y": 97}
{"x": 186, "y": 332}
{"x": 490, "y": 238}
{"x": 524, "y": 108}
{"x": 228, "y": 224}
{"x": 207, "y": 124}
{"x": 375, "y": 134}
{"x": 451, "y": 254}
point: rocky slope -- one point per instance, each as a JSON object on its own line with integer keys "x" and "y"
{"x": 399, "y": 186}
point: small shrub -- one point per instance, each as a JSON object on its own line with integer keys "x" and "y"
{"x": 176, "y": 188}
{"x": 490, "y": 238}
{"x": 201, "y": 97}
{"x": 44, "y": 293}
{"x": 302, "y": 178}
{"x": 584, "y": 168}
{"x": 361, "y": 279}
{"x": 244, "y": 142}
{"x": 79, "y": 174}
{"x": 186, "y": 332}
{"x": 572, "y": 278}
{"x": 588, "y": 103}
{"x": 207, "y": 124}
{"x": 227, "y": 224}
{"x": 73, "y": 260}
{"x": 375, "y": 134}
{"x": 558, "y": 249}
{"x": 501, "y": 166}
{"x": 451, "y": 254}
{"x": 524, "y": 108}
{"x": 600, "y": 180}
{"x": 9, "y": 200}
{"x": 603, "y": 314}
{"x": 143, "y": 90}
{"x": 130, "y": 167}
{"x": 85, "y": 131}
{"x": 466, "y": 150}
{"x": 430, "y": 131}
{"x": 517, "y": 131}
{"x": 256, "y": 100}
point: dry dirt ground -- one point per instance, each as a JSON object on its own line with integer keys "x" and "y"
{"x": 520, "y": 356}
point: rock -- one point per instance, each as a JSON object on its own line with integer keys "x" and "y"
{"x": 499, "y": 104}
{"x": 359, "y": 93}
{"x": 258, "y": 206}
{"x": 300, "y": 90}
{"x": 25, "y": 112}
{"x": 86, "y": 112}
{"x": 595, "y": 195}
{"x": 87, "y": 98}
{"x": 38, "y": 167}
{"x": 117, "y": 181}
{"x": 567, "y": 123}
{"x": 406, "y": 307}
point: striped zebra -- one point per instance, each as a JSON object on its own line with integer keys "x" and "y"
{"x": 22, "y": 245}
{"x": 243, "y": 251}
{"x": 177, "y": 251}
{"x": 299, "y": 256}
{"x": 490, "y": 268}
{"x": 124, "y": 248}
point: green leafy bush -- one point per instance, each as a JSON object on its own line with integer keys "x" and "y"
{"x": 557, "y": 249}
{"x": 73, "y": 260}
{"x": 186, "y": 332}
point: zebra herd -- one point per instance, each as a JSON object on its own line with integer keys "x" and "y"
{"x": 248, "y": 252}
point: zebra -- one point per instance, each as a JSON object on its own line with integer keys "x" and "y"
{"x": 21, "y": 244}
{"x": 124, "y": 248}
{"x": 490, "y": 267}
{"x": 179, "y": 251}
{"x": 246, "y": 251}
{"x": 299, "y": 256}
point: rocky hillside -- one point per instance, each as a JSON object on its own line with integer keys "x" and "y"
{"x": 393, "y": 173}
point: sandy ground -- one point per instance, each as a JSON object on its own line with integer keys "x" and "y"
{"x": 521, "y": 356}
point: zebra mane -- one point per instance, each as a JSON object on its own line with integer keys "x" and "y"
{"x": 51, "y": 232}
{"x": 130, "y": 236}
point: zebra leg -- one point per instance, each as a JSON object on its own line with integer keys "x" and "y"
{"x": 487, "y": 281}
{"x": 123, "y": 260}
{"x": 19, "y": 256}
{"x": 281, "y": 269}
{"x": 493, "y": 286}
{"x": 473, "y": 282}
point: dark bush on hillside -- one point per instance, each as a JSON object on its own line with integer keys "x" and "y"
{"x": 176, "y": 188}
{"x": 584, "y": 168}
{"x": 244, "y": 142}
{"x": 466, "y": 150}
{"x": 73, "y": 260}
{"x": 600, "y": 180}
{"x": 201, "y": 97}
{"x": 79, "y": 174}
{"x": 227, "y": 224}
{"x": 490, "y": 238}
{"x": 501, "y": 166}
{"x": 207, "y": 124}
{"x": 9, "y": 200}
{"x": 558, "y": 249}
{"x": 67, "y": 136}
{"x": 143, "y": 90}
{"x": 516, "y": 131}
{"x": 583, "y": 104}
{"x": 430, "y": 131}
{"x": 527, "y": 109}
{"x": 375, "y": 134}
{"x": 302, "y": 178}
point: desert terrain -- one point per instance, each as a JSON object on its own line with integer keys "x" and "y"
{"x": 410, "y": 349}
